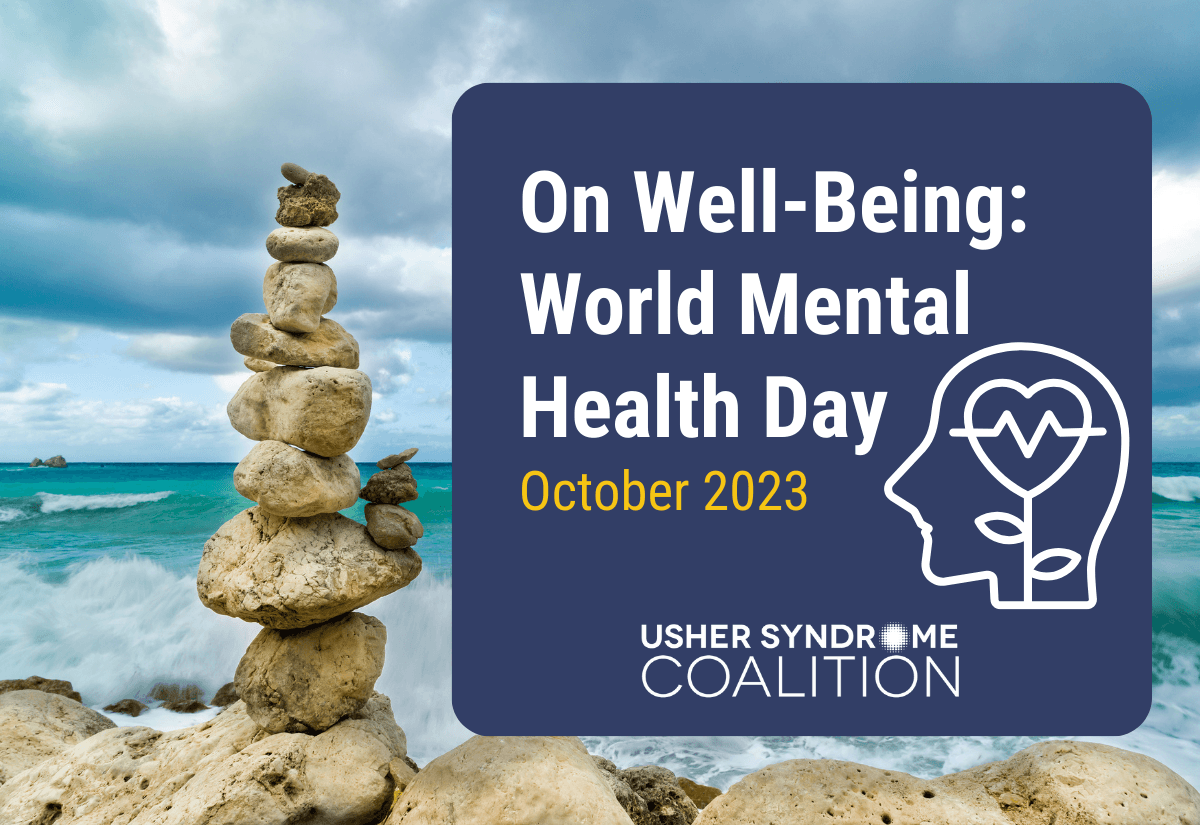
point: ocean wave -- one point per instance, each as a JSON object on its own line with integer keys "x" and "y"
{"x": 12, "y": 514}
{"x": 1176, "y": 488}
{"x": 56, "y": 503}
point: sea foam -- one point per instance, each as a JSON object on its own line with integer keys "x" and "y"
{"x": 1177, "y": 488}
{"x": 56, "y": 503}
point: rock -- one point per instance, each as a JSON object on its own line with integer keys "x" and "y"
{"x": 700, "y": 794}
{"x": 290, "y": 482}
{"x": 223, "y": 772}
{"x": 392, "y": 526}
{"x": 330, "y": 346}
{"x": 37, "y": 462}
{"x": 297, "y": 295}
{"x": 258, "y": 365}
{"x": 304, "y": 681}
{"x": 174, "y": 692}
{"x": 803, "y": 791}
{"x": 35, "y": 726}
{"x": 185, "y": 706}
{"x": 514, "y": 780}
{"x": 392, "y": 486}
{"x": 397, "y": 458}
{"x": 313, "y": 203}
{"x": 322, "y": 410}
{"x": 309, "y": 244}
{"x": 59, "y": 686}
{"x": 295, "y": 172}
{"x": 632, "y": 804}
{"x": 127, "y": 707}
{"x": 1083, "y": 783}
{"x": 225, "y": 696}
{"x": 666, "y": 801}
{"x": 288, "y": 573}
{"x": 56, "y": 461}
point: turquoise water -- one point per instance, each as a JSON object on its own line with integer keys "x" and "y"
{"x": 97, "y": 585}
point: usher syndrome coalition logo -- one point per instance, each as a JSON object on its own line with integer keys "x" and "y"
{"x": 746, "y": 437}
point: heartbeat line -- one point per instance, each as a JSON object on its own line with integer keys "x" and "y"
{"x": 1006, "y": 420}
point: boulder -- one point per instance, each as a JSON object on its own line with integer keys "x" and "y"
{"x": 56, "y": 461}
{"x": 297, "y": 295}
{"x": 59, "y": 686}
{"x": 632, "y": 804}
{"x": 304, "y": 681}
{"x": 225, "y": 696}
{"x": 396, "y": 458}
{"x": 175, "y": 692}
{"x": 322, "y": 410}
{"x": 258, "y": 365}
{"x": 127, "y": 707}
{"x": 803, "y": 791}
{"x": 1083, "y": 783}
{"x": 288, "y": 573}
{"x": 290, "y": 482}
{"x": 666, "y": 801}
{"x": 253, "y": 335}
{"x": 311, "y": 202}
{"x": 392, "y": 486}
{"x": 35, "y": 726}
{"x": 510, "y": 780}
{"x": 392, "y": 526}
{"x": 37, "y": 462}
{"x": 225, "y": 771}
{"x": 185, "y": 706}
{"x": 308, "y": 244}
{"x": 700, "y": 794}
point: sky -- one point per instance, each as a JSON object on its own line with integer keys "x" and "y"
{"x": 140, "y": 144}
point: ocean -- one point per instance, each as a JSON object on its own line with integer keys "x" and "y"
{"x": 97, "y": 585}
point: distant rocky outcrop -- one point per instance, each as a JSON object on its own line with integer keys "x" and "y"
{"x": 226, "y": 696}
{"x": 59, "y": 686}
{"x": 56, "y": 461}
{"x": 37, "y": 462}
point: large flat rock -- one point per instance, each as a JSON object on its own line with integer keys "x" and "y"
{"x": 322, "y": 410}
{"x": 254, "y": 336}
{"x": 223, "y": 772}
{"x": 35, "y": 726}
{"x": 288, "y": 482}
{"x": 1085, "y": 783}
{"x": 804, "y": 791}
{"x": 510, "y": 780}
{"x": 308, "y": 244}
{"x": 304, "y": 681}
{"x": 288, "y": 573}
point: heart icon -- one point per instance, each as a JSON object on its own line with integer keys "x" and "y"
{"x": 1006, "y": 424}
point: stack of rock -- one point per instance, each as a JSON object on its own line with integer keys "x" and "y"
{"x": 293, "y": 563}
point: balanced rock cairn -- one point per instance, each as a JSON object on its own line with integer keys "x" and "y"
{"x": 293, "y": 563}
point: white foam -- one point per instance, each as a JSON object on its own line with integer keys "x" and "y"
{"x": 11, "y": 514}
{"x": 1177, "y": 488}
{"x": 55, "y": 503}
{"x": 159, "y": 718}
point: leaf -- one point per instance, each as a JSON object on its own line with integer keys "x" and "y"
{"x": 1001, "y": 538}
{"x": 1058, "y": 552}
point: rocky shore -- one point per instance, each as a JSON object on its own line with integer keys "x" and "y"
{"x": 302, "y": 737}
{"x": 62, "y": 763}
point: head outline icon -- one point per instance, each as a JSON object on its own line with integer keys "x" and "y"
{"x": 972, "y": 433}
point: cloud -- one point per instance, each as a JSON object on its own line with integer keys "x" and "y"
{"x": 1176, "y": 230}
{"x": 389, "y": 366}
{"x": 24, "y": 342}
{"x": 184, "y": 353}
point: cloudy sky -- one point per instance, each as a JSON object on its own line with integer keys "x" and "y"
{"x": 140, "y": 145}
